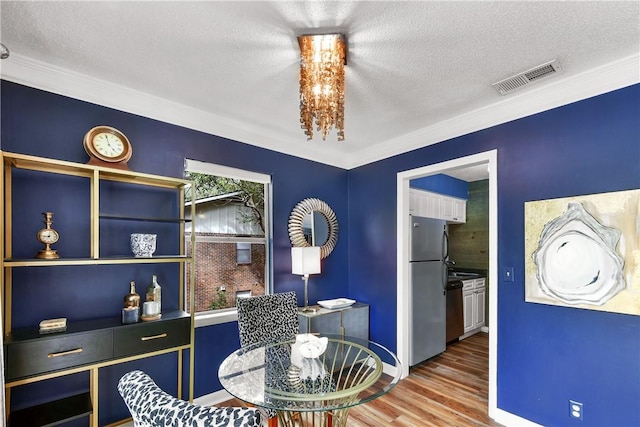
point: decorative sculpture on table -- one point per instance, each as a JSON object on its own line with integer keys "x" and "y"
{"x": 307, "y": 372}
{"x": 588, "y": 255}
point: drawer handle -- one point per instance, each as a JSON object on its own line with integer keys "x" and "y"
{"x": 153, "y": 337}
{"x": 65, "y": 353}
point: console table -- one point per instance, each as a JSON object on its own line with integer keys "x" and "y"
{"x": 351, "y": 321}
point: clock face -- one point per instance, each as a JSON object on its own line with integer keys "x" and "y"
{"x": 108, "y": 144}
{"x": 48, "y": 236}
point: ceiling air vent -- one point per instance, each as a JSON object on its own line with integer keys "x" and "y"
{"x": 525, "y": 78}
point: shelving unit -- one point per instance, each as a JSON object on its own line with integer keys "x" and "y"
{"x": 91, "y": 344}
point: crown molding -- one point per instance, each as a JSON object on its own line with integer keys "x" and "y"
{"x": 558, "y": 92}
{"x": 40, "y": 75}
{"x": 555, "y": 93}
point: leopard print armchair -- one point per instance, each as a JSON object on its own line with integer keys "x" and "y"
{"x": 267, "y": 318}
{"x": 150, "y": 406}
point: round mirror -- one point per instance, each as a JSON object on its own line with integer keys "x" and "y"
{"x": 313, "y": 223}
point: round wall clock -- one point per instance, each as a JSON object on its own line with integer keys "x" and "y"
{"x": 107, "y": 146}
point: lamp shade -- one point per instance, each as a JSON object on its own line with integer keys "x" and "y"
{"x": 305, "y": 260}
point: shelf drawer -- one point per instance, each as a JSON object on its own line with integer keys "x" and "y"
{"x": 43, "y": 355}
{"x": 151, "y": 336}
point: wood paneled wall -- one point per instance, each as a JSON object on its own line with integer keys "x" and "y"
{"x": 469, "y": 242}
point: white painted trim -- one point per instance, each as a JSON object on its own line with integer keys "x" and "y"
{"x": 226, "y": 171}
{"x": 40, "y": 75}
{"x": 537, "y": 98}
{"x": 551, "y": 94}
{"x": 508, "y": 419}
{"x": 216, "y": 317}
{"x": 402, "y": 286}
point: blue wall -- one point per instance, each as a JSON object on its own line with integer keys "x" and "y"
{"x": 546, "y": 354}
{"x": 43, "y": 124}
{"x": 442, "y": 184}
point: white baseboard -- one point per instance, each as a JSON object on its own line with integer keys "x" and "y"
{"x": 509, "y": 420}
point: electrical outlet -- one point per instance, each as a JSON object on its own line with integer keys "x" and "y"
{"x": 575, "y": 410}
{"x": 507, "y": 274}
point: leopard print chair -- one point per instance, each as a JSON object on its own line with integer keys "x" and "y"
{"x": 152, "y": 407}
{"x": 268, "y": 318}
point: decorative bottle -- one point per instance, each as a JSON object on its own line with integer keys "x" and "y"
{"x": 154, "y": 293}
{"x": 132, "y": 299}
{"x": 131, "y": 308}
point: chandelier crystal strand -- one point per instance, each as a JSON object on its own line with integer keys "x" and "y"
{"x": 322, "y": 59}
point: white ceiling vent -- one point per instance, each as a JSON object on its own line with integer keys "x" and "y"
{"x": 525, "y": 78}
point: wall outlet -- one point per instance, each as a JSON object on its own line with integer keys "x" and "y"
{"x": 507, "y": 274}
{"x": 575, "y": 410}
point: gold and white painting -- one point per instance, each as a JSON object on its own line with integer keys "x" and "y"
{"x": 584, "y": 252}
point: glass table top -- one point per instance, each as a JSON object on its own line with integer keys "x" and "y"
{"x": 310, "y": 373}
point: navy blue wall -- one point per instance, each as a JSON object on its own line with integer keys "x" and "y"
{"x": 546, "y": 354}
{"x": 43, "y": 124}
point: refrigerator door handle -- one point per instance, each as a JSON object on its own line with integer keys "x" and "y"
{"x": 445, "y": 246}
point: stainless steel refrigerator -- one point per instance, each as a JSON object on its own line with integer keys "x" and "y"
{"x": 428, "y": 254}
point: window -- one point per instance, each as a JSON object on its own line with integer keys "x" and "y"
{"x": 232, "y": 229}
{"x": 243, "y": 253}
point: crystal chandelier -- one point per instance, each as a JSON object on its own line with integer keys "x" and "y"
{"x": 322, "y": 61}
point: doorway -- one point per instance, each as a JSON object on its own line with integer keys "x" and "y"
{"x": 488, "y": 159}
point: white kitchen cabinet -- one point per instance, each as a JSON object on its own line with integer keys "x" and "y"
{"x": 459, "y": 210}
{"x": 473, "y": 294}
{"x": 434, "y": 205}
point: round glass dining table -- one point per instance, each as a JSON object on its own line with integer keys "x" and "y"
{"x": 307, "y": 388}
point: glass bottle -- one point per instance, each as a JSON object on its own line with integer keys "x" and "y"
{"x": 132, "y": 299}
{"x": 154, "y": 293}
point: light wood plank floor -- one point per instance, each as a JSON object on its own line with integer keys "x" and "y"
{"x": 448, "y": 390}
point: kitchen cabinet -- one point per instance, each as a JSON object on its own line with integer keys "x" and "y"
{"x": 473, "y": 301}
{"x": 88, "y": 345}
{"x": 439, "y": 206}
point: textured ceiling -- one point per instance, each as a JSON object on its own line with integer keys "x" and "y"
{"x": 415, "y": 69}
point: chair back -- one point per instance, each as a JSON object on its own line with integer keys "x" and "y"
{"x": 267, "y": 318}
{"x": 150, "y": 406}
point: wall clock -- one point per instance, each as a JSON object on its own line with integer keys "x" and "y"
{"x": 107, "y": 146}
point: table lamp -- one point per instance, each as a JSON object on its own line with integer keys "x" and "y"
{"x": 305, "y": 261}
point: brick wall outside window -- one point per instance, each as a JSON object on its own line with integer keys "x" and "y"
{"x": 219, "y": 277}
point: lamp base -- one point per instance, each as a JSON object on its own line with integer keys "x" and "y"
{"x": 306, "y": 308}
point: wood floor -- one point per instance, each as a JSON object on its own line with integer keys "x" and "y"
{"x": 449, "y": 390}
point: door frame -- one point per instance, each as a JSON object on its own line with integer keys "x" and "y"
{"x": 402, "y": 280}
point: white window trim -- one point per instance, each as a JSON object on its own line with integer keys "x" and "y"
{"x": 229, "y": 172}
{"x": 209, "y": 318}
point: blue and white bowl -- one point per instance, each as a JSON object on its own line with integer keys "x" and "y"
{"x": 143, "y": 245}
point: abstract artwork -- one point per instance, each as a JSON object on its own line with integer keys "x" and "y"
{"x": 584, "y": 252}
